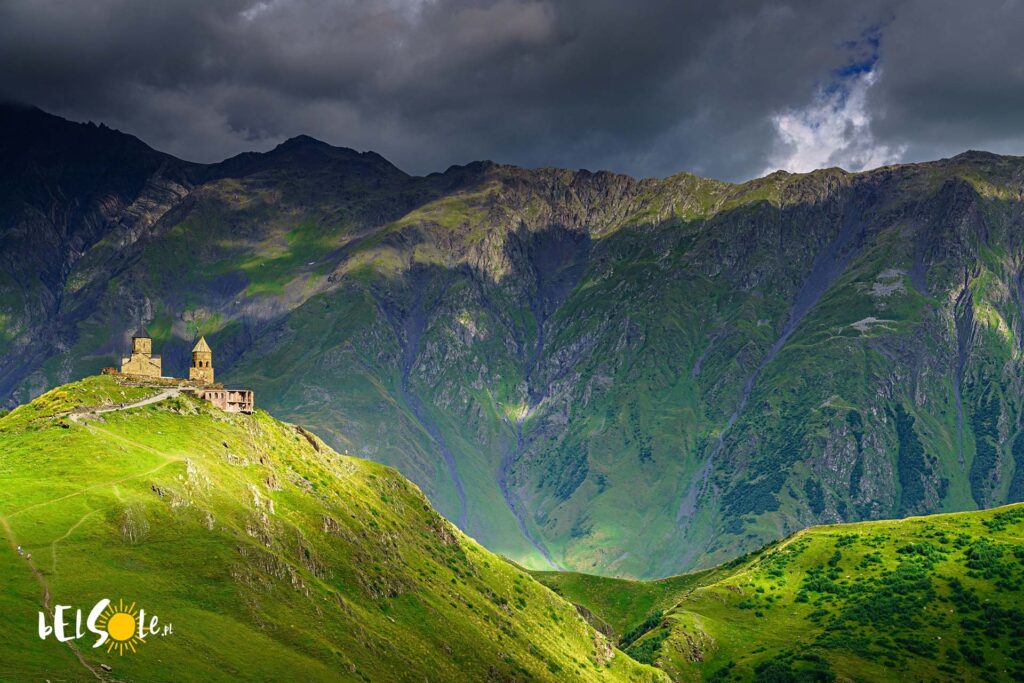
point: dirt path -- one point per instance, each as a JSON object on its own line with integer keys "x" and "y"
{"x": 156, "y": 398}
{"x": 46, "y": 591}
{"x": 53, "y": 546}
{"x": 168, "y": 460}
{"x": 77, "y": 419}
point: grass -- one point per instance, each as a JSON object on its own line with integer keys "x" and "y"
{"x": 923, "y": 598}
{"x": 621, "y": 603}
{"x": 272, "y": 556}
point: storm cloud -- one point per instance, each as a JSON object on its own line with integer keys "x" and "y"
{"x": 730, "y": 90}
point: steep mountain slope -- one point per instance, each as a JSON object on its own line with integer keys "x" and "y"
{"x": 272, "y": 557}
{"x": 67, "y": 190}
{"x": 925, "y": 598}
{"x": 582, "y": 369}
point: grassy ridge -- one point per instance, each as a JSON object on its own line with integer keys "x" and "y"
{"x": 623, "y": 604}
{"x": 274, "y": 557}
{"x": 924, "y": 598}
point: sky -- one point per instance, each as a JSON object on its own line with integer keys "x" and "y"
{"x": 731, "y": 90}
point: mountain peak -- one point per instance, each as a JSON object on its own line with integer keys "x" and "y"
{"x": 304, "y": 140}
{"x": 305, "y": 151}
{"x": 26, "y": 131}
{"x": 979, "y": 156}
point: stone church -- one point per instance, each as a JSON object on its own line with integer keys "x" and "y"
{"x": 142, "y": 364}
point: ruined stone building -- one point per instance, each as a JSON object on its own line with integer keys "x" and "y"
{"x": 229, "y": 400}
{"x": 141, "y": 362}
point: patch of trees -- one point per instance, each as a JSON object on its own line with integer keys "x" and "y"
{"x": 849, "y": 539}
{"x": 567, "y": 469}
{"x": 972, "y": 653}
{"x": 582, "y": 527}
{"x": 964, "y": 597}
{"x": 916, "y": 646}
{"x": 895, "y": 598}
{"x": 1016, "y": 492}
{"x": 995, "y": 621}
{"x": 755, "y": 497}
{"x": 868, "y": 559}
{"x": 721, "y": 675}
{"x": 911, "y": 464}
{"x": 647, "y": 650}
{"x": 785, "y": 438}
{"x": 985, "y": 424}
{"x": 985, "y": 561}
{"x": 653, "y": 620}
{"x": 774, "y": 565}
{"x": 927, "y": 552}
{"x": 789, "y": 667}
{"x": 856, "y": 475}
{"x": 885, "y": 604}
{"x": 644, "y": 448}
{"x": 1001, "y": 520}
{"x": 856, "y": 425}
{"x": 821, "y": 579}
{"x": 815, "y": 495}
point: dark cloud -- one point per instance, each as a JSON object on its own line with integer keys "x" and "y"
{"x": 727, "y": 89}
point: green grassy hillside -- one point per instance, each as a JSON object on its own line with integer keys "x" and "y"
{"x": 273, "y": 557}
{"x": 936, "y": 598}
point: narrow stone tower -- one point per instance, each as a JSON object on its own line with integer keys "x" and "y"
{"x": 202, "y": 363}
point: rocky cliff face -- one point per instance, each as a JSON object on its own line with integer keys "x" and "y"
{"x": 581, "y": 369}
{"x": 75, "y": 201}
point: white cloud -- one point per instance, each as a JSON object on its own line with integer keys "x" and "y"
{"x": 834, "y": 130}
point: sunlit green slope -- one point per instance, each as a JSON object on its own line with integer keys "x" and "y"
{"x": 937, "y": 598}
{"x": 273, "y": 557}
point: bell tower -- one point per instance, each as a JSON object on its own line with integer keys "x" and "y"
{"x": 202, "y": 363}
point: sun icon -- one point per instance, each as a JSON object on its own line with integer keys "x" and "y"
{"x": 121, "y": 624}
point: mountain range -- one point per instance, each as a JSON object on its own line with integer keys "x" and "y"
{"x": 582, "y": 370}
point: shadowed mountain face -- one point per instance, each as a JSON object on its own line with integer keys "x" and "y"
{"x": 581, "y": 369}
